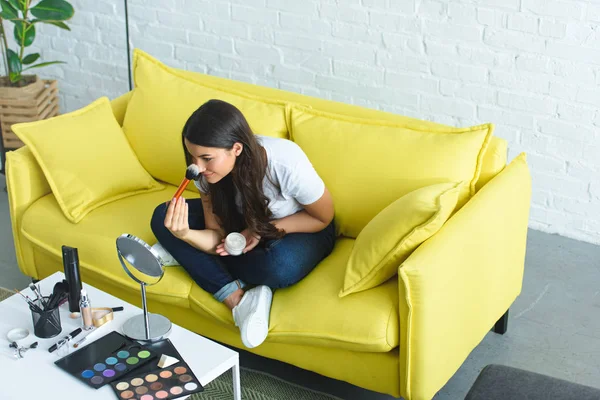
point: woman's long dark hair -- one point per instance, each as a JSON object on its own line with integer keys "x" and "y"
{"x": 219, "y": 124}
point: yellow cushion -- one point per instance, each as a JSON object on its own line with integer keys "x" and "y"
{"x": 494, "y": 161}
{"x": 86, "y": 159}
{"x": 164, "y": 99}
{"x": 366, "y": 322}
{"x": 95, "y": 237}
{"x": 390, "y": 237}
{"x": 368, "y": 164}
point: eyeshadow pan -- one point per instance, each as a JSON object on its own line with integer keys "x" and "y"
{"x": 146, "y": 397}
{"x": 123, "y": 385}
{"x": 141, "y": 390}
{"x": 99, "y": 367}
{"x": 156, "y": 386}
{"x": 123, "y": 354}
{"x": 132, "y": 360}
{"x": 111, "y": 361}
{"x": 137, "y": 381}
{"x": 97, "y": 380}
{"x": 144, "y": 354}
{"x": 176, "y": 390}
{"x": 162, "y": 394}
{"x": 109, "y": 373}
{"x": 180, "y": 370}
{"x": 127, "y": 394}
{"x": 151, "y": 378}
{"x": 191, "y": 386}
{"x": 164, "y": 374}
{"x": 120, "y": 367}
{"x": 87, "y": 374}
{"x": 185, "y": 378}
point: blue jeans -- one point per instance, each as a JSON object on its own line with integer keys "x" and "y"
{"x": 275, "y": 263}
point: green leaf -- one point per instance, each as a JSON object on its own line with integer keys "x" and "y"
{"x": 31, "y": 58}
{"x": 44, "y": 64}
{"x": 15, "y": 77}
{"x": 28, "y": 32}
{"x": 14, "y": 64}
{"x": 8, "y": 12}
{"x": 15, "y": 4}
{"x": 52, "y": 10}
{"x": 61, "y": 25}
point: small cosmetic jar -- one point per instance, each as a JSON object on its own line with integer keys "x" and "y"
{"x": 235, "y": 243}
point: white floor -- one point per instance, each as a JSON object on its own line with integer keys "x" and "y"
{"x": 554, "y": 325}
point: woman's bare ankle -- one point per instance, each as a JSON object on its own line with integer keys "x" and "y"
{"x": 233, "y": 299}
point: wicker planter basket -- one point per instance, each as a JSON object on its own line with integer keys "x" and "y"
{"x": 36, "y": 101}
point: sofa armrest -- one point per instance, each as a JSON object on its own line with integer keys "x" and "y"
{"x": 26, "y": 184}
{"x": 456, "y": 285}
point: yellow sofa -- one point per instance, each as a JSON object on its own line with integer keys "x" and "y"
{"x": 405, "y": 337}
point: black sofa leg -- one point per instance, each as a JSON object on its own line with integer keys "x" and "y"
{"x": 502, "y": 324}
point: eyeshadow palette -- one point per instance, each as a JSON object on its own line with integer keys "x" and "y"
{"x": 106, "y": 359}
{"x": 167, "y": 383}
{"x": 115, "y": 365}
{"x": 150, "y": 382}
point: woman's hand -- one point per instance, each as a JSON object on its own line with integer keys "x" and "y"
{"x": 252, "y": 239}
{"x": 176, "y": 220}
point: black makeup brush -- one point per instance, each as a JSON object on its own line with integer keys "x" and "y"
{"x": 59, "y": 292}
{"x": 191, "y": 174}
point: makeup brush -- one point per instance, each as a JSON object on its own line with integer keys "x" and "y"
{"x": 38, "y": 294}
{"x": 191, "y": 174}
{"x": 30, "y": 302}
{"x": 38, "y": 310}
{"x": 59, "y": 292}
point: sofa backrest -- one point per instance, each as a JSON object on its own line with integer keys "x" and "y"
{"x": 494, "y": 160}
{"x": 165, "y": 97}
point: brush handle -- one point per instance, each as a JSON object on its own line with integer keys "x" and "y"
{"x": 30, "y": 303}
{"x": 37, "y": 293}
{"x": 181, "y": 188}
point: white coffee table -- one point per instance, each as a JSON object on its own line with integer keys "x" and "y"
{"x": 37, "y": 377}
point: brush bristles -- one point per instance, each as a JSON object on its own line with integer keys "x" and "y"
{"x": 192, "y": 172}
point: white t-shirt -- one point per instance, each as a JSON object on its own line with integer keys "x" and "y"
{"x": 290, "y": 169}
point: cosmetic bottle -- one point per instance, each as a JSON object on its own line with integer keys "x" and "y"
{"x": 85, "y": 308}
{"x": 71, "y": 266}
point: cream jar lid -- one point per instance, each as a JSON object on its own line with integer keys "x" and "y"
{"x": 235, "y": 241}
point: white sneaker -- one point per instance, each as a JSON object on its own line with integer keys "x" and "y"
{"x": 167, "y": 259}
{"x": 251, "y": 315}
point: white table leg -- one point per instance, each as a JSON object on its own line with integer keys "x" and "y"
{"x": 237, "y": 392}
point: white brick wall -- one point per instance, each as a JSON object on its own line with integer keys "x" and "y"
{"x": 530, "y": 66}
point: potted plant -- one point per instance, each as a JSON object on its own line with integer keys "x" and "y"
{"x": 23, "y": 97}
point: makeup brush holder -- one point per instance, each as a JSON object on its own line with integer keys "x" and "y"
{"x": 46, "y": 323}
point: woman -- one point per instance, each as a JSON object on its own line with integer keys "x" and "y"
{"x": 266, "y": 189}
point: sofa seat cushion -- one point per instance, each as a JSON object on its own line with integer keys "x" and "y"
{"x": 95, "y": 237}
{"x": 311, "y": 313}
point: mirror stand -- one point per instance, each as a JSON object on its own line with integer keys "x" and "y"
{"x": 146, "y": 327}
